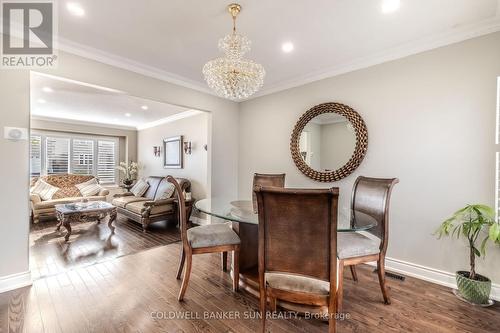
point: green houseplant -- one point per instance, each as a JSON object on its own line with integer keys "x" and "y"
{"x": 473, "y": 222}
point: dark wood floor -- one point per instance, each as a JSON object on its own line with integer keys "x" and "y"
{"x": 91, "y": 243}
{"x": 124, "y": 294}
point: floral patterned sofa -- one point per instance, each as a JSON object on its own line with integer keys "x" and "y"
{"x": 67, "y": 193}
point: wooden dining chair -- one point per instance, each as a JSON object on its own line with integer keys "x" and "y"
{"x": 263, "y": 179}
{"x": 211, "y": 238}
{"x": 369, "y": 201}
{"x": 298, "y": 248}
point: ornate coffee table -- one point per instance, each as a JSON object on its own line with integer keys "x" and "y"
{"x": 84, "y": 212}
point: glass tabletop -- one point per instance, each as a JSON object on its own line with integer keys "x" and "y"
{"x": 242, "y": 211}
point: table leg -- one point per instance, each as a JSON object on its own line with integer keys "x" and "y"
{"x": 66, "y": 224}
{"x": 60, "y": 219}
{"x": 112, "y": 218}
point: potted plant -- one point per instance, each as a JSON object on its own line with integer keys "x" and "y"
{"x": 129, "y": 171}
{"x": 473, "y": 222}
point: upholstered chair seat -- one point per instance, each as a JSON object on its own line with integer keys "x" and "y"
{"x": 297, "y": 283}
{"x": 354, "y": 244}
{"x": 212, "y": 235}
{"x": 139, "y": 207}
{"x": 124, "y": 201}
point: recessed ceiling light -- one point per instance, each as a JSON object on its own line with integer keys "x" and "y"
{"x": 128, "y": 115}
{"x": 144, "y": 107}
{"x": 47, "y": 89}
{"x": 390, "y": 6}
{"x": 287, "y": 47}
{"x": 41, "y": 101}
{"x": 75, "y": 9}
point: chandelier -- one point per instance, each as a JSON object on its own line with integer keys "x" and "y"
{"x": 232, "y": 76}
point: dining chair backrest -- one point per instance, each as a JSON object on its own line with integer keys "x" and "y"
{"x": 370, "y": 200}
{"x": 274, "y": 180}
{"x": 298, "y": 231}
{"x": 181, "y": 206}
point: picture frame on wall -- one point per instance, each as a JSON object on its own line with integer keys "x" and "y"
{"x": 172, "y": 152}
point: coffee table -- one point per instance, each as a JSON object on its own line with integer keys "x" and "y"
{"x": 84, "y": 212}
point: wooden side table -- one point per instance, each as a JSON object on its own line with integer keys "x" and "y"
{"x": 189, "y": 209}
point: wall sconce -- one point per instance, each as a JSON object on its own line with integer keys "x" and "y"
{"x": 187, "y": 147}
{"x": 157, "y": 151}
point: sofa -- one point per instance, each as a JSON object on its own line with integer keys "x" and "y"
{"x": 150, "y": 207}
{"x": 67, "y": 193}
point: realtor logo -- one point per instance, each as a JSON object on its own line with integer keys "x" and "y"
{"x": 28, "y": 34}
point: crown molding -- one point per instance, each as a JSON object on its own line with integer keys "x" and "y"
{"x": 407, "y": 49}
{"x": 130, "y": 65}
{"x": 169, "y": 119}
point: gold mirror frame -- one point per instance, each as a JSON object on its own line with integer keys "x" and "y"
{"x": 359, "y": 151}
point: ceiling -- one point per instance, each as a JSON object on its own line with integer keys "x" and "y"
{"x": 76, "y": 102}
{"x": 173, "y": 39}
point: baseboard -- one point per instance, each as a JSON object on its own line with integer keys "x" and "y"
{"x": 430, "y": 274}
{"x": 14, "y": 281}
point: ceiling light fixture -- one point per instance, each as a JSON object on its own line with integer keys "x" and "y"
{"x": 47, "y": 89}
{"x": 287, "y": 47}
{"x": 144, "y": 107}
{"x": 41, "y": 101}
{"x": 128, "y": 115}
{"x": 75, "y": 9}
{"x": 232, "y": 76}
{"x": 390, "y": 6}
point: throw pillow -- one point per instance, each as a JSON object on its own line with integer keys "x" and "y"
{"x": 169, "y": 191}
{"x": 139, "y": 188}
{"x": 44, "y": 190}
{"x": 89, "y": 188}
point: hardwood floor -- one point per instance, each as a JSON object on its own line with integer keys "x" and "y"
{"x": 91, "y": 243}
{"x": 124, "y": 294}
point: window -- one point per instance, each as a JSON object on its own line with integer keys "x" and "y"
{"x": 36, "y": 155}
{"x": 106, "y": 161}
{"x": 83, "y": 157}
{"x": 57, "y": 153}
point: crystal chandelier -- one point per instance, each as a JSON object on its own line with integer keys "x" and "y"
{"x": 232, "y": 76}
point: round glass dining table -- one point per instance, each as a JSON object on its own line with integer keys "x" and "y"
{"x": 245, "y": 223}
{"x": 241, "y": 211}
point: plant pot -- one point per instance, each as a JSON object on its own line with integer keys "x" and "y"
{"x": 128, "y": 182}
{"x": 475, "y": 291}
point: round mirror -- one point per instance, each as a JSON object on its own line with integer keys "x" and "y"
{"x": 329, "y": 142}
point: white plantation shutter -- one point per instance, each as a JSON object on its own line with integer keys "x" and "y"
{"x": 57, "y": 150}
{"x": 83, "y": 157}
{"x": 106, "y": 161}
{"x": 35, "y": 155}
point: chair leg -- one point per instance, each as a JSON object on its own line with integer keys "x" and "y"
{"x": 263, "y": 301}
{"x": 353, "y": 273}
{"x": 340, "y": 288}
{"x": 187, "y": 273}
{"x": 272, "y": 303}
{"x": 236, "y": 269}
{"x": 381, "y": 279}
{"x": 223, "y": 257}
{"x": 332, "y": 322}
{"x": 181, "y": 264}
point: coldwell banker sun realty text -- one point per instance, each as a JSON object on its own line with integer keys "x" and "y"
{"x": 28, "y": 30}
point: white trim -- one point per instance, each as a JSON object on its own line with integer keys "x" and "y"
{"x": 82, "y": 122}
{"x": 169, "y": 119}
{"x": 412, "y": 47}
{"x": 131, "y": 65}
{"x": 15, "y": 281}
{"x": 429, "y": 274}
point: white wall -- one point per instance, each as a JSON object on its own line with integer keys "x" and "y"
{"x": 194, "y": 129}
{"x": 14, "y": 109}
{"x": 431, "y": 122}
